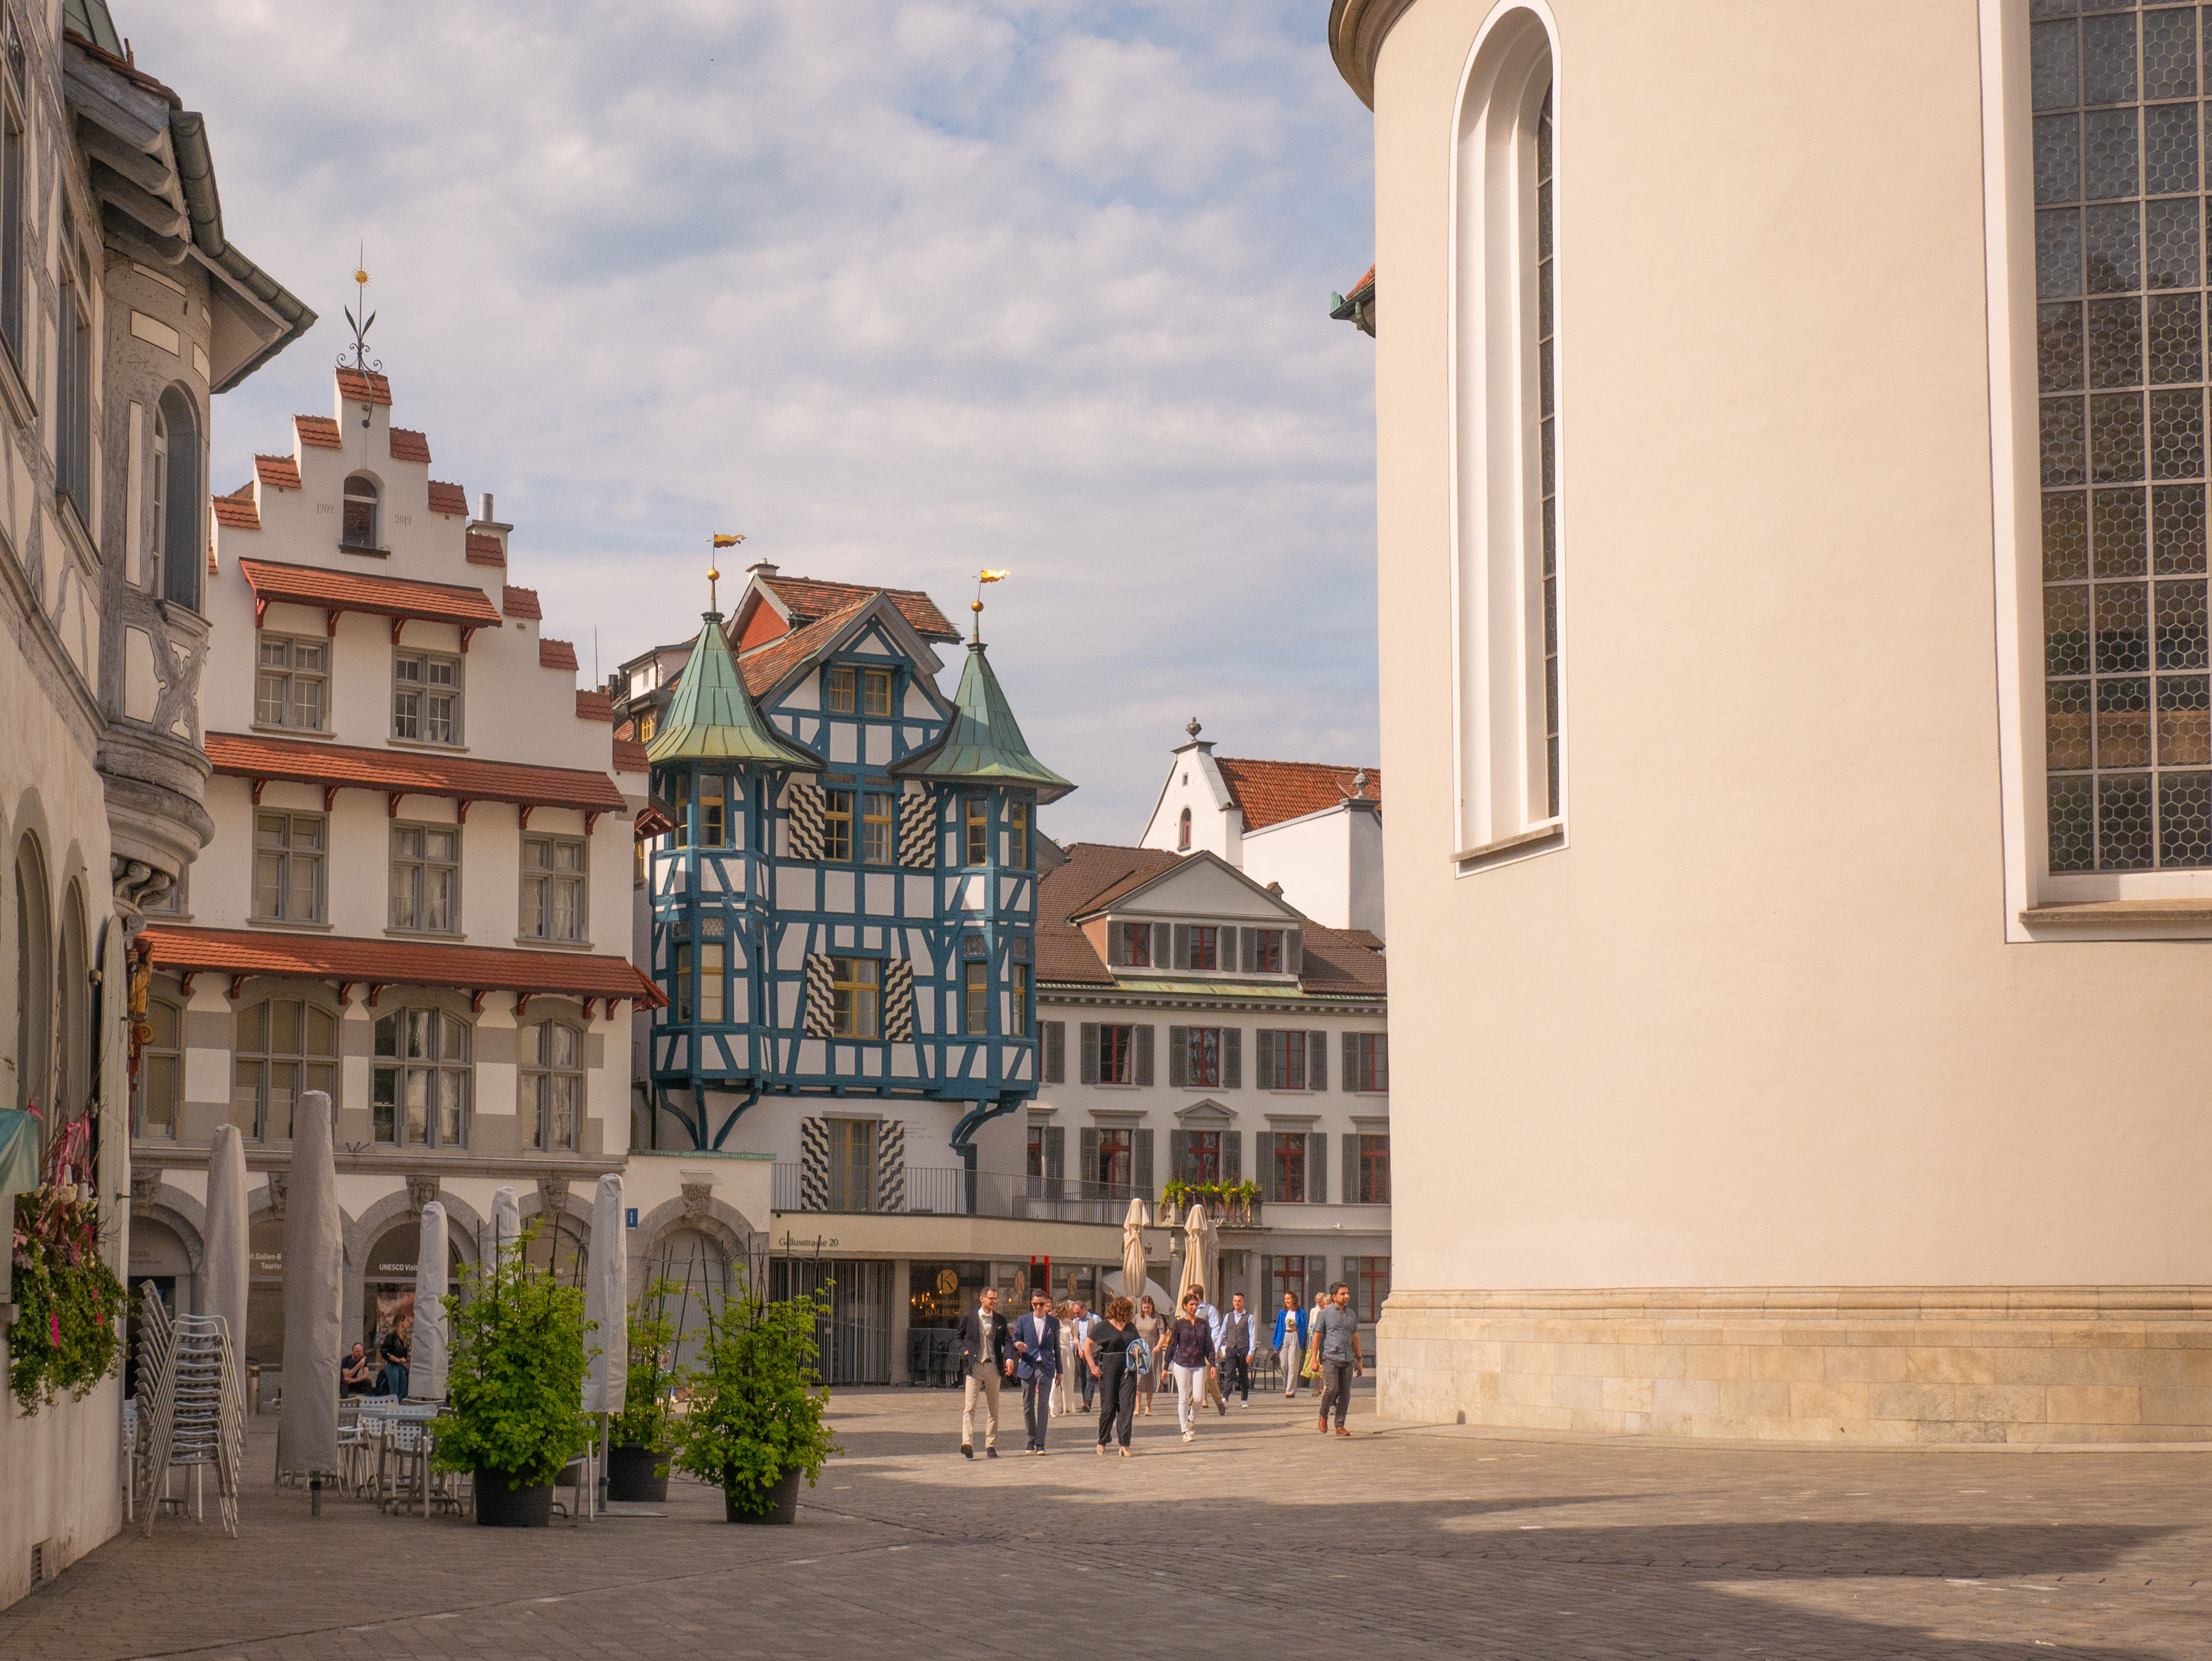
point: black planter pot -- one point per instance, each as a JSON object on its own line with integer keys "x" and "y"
{"x": 782, "y": 1501}
{"x": 630, "y": 1473}
{"x": 501, "y": 1505}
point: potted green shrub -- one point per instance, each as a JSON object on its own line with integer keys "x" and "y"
{"x": 754, "y": 1426}
{"x": 637, "y": 1461}
{"x": 514, "y": 1388}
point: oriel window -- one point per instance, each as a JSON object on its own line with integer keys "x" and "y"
{"x": 714, "y": 811}
{"x": 1018, "y": 1001}
{"x": 1017, "y": 835}
{"x": 975, "y": 1020}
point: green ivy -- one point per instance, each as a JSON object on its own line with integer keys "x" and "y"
{"x": 755, "y": 1411}
{"x": 515, "y": 1386}
{"x": 1178, "y": 1192}
{"x": 69, "y": 1305}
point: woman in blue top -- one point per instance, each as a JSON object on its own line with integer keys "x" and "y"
{"x": 1290, "y": 1341}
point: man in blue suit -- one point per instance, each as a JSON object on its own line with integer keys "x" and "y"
{"x": 1036, "y": 1350}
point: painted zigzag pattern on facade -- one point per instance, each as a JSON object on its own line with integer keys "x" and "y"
{"x": 891, "y": 1165}
{"x": 821, "y": 996}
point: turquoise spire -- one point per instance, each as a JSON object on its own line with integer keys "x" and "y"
{"x": 713, "y": 717}
{"x": 983, "y": 742}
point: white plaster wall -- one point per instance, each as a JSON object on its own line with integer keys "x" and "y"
{"x": 1216, "y": 826}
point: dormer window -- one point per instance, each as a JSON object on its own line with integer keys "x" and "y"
{"x": 360, "y": 524}
{"x": 1182, "y": 832}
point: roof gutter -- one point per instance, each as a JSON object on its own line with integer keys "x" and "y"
{"x": 203, "y": 208}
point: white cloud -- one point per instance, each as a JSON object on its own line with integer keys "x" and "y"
{"x": 898, "y": 289}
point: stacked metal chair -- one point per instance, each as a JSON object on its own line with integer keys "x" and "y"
{"x": 193, "y": 1407}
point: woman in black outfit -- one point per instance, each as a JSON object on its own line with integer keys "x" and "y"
{"x": 1106, "y": 1352}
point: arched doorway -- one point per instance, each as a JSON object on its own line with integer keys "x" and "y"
{"x": 699, "y": 1271}
{"x": 388, "y": 1288}
{"x": 264, "y": 1294}
{"x": 158, "y": 1259}
{"x": 559, "y": 1245}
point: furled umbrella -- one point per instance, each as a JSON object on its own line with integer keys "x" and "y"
{"x": 1209, "y": 1257}
{"x": 314, "y": 1271}
{"x": 225, "y": 1260}
{"x": 1193, "y": 1252}
{"x": 506, "y": 1221}
{"x": 606, "y": 1300}
{"x": 1133, "y": 1250}
{"x": 426, "y": 1369}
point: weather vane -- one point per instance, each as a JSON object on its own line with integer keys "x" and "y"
{"x": 982, "y": 577}
{"x": 722, "y": 539}
{"x": 361, "y": 321}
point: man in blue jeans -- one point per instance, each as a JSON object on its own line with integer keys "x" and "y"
{"x": 1335, "y": 1339}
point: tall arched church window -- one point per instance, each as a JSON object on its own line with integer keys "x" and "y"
{"x": 1510, "y": 763}
{"x": 180, "y": 502}
{"x": 359, "y": 526}
{"x": 1182, "y": 832}
{"x": 35, "y": 957}
{"x": 2120, "y": 274}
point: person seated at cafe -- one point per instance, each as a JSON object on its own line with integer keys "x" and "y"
{"x": 357, "y": 1372}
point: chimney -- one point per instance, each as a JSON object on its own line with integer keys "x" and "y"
{"x": 760, "y": 568}
{"x": 484, "y": 507}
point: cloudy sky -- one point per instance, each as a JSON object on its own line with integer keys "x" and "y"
{"x": 897, "y": 289}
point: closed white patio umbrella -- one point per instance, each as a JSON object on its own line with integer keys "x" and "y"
{"x": 426, "y": 1370}
{"x": 606, "y": 1300}
{"x": 314, "y": 1282}
{"x": 1133, "y": 1250}
{"x": 506, "y": 1221}
{"x": 1194, "y": 1254}
{"x": 226, "y": 1262}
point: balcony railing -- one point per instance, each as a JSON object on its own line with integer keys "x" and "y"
{"x": 940, "y": 1192}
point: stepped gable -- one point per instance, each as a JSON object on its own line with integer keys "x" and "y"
{"x": 320, "y": 432}
{"x": 409, "y": 446}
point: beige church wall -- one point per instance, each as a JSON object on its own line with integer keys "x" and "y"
{"x": 1756, "y": 1025}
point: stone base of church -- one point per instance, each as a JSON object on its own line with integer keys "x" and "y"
{"x": 1845, "y": 1365}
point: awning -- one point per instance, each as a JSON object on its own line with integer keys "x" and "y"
{"x": 400, "y": 773}
{"x": 336, "y": 592}
{"x": 375, "y": 964}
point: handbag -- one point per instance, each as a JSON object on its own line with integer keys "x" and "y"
{"x": 1312, "y": 1368}
{"x": 1140, "y": 1358}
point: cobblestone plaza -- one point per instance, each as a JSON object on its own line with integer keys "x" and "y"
{"x": 1259, "y": 1535}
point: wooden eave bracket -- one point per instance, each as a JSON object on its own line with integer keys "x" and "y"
{"x": 185, "y": 982}
{"x": 391, "y": 803}
{"x": 523, "y": 814}
{"x": 237, "y": 986}
{"x": 590, "y": 818}
{"x": 398, "y": 624}
{"x": 345, "y": 994}
{"x": 330, "y": 622}
{"x": 465, "y": 633}
{"x": 375, "y": 991}
{"x": 260, "y": 610}
{"x": 590, "y": 1004}
{"x": 475, "y": 1001}
{"x": 330, "y": 796}
{"x": 257, "y": 786}
{"x": 461, "y": 810}
{"x": 521, "y": 1003}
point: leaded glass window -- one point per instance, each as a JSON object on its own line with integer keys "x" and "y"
{"x": 2120, "y": 277}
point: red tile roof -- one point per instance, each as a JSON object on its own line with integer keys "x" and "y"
{"x": 448, "y": 498}
{"x": 361, "y": 386}
{"x": 320, "y": 431}
{"x": 485, "y": 551}
{"x": 810, "y": 598}
{"x": 519, "y": 603}
{"x": 1269, "y": 792}
{"x": 594, "y": 706}
{"x": 764, "y": 666}
{"x": 1365, "y": 285}
{"x": 281, "y": 472}
{"x": 383, "y": 597}
{"x": 556, "y": 654}
{"x": 412, "y": 773}
{"x": 629, "y": 756}
{"x": 239, "y": 512}
{"x": 408, "y": 445}
{"x": 395, "y": 963}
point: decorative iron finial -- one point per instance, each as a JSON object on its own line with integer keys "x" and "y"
{"x": 982, "y": 577}
{"x": 361, "y": 321}
{"x": 1192, "y": 729}
{"x": 721, "y": 539}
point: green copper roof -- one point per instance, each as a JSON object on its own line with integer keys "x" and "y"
{"x": 983, "y": 743}
{"x": 713, "y": 717}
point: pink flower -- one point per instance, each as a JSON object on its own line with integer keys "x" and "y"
{"x": 55, "y": 1318}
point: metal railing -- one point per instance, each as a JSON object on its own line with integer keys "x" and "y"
{"x": 940, "y": 1192}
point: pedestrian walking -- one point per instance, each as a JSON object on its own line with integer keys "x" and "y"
{"x": 1212, "y": 1317}
{"x": 1311, "y": 1370}
{"x": 1336, "y": 1340}
{"x": 986, "y": 1361}
{"x": 1116, "y": 1358}
{"x": 1232, "y": 1338}
{"x": 1154, "y": 1331}
{"x": 1084, "y": 1320}
{"x": 1036, "y": 1359}
{"x": 1064, "y": 1387}
{"x": 1289, "y": 1343}
{"x": 1190, "y": 1353}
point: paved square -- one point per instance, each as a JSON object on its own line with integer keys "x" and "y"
{"x": 1397, "y": 1542}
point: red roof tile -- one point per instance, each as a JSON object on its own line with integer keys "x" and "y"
{"x": 395, "y": 963}
{"x": 383, "y": 597}
{"x": 410, "y": 773}
{"x": 764, "y": 666}
{"x": 629, "y": 756}
{"x": 556, "y": 654}
{"x": 410, "y": 446}
{"x": 519, "y": 603}
{"x": 281, "y": 472}
{"x": 809, "y": 598}
{"x": 448, "y": 498}
{"x": 1365, "y": 285}
{"x": 485, "y": 551}
{"x": 359, "y": 386}
{"x": 1269, "y": 792}
{"x": 239, "y": 512}
{"x": 319, "y": 431}
{"x": 594, "y": 706}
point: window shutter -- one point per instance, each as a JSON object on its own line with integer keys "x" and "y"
{"x": 1091, "y": 1052}
{"x": 1160, "y": 938}
{"x": 1351, "y": 1280}
{"x": 1086, "y": 1149}
{"x": 1352, "y": 1081}
{"x": 803, "y": 822}
{"x": 1381, "y": 1081}
{"x": 1055, "y": 1052}
{"x": 898, "y": 1003}
{"x": 1143, "y": 1163}
{"x": 813, "y": 1165}
{"x": 1317, "y": 1060}
{"x": 1232, "y": 1156}
{"x": 891, "y": 1165}
{"x": 1233, "y": 1058}
{"x": 1182, "y": 945}
{"x": 1055, "y": 1151}
{"x": 917, "y": 831}
{"x": 1117, "y": 944}
{"x": 1263, "y": 1318}
{"x": 1316, "y": 1278}
{"x": 1263, "y": 1153}
{"x": 1248, "y": 947}
{"x": 1316, "y": 1167}
{"x": 1145, "y": 1054}
{"x": 1178, "y": 1057}
{"x": 1263, "y": 1060}
{"x": 1351, "y": 1168}
{"x": 821, "y": 1017}
{"x": 1294, "y": 953}
{"x": 1179, "y": 1156}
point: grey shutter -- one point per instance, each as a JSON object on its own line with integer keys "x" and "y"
{"x": 1294, "y": 953}
{"x": 1379, "y": 1077}
{"x": 821, "y": 1017}
{"x": 1317, "y": 1060}
{"x": 1055, "y": 1151}
{"x": 1233, "y": 1058}
{"x": 1232, "y": 1156}
{"x": 1263, "y": 1317}
{"x": 1263, "y": 1060}
{"x": 1351, "y": 1168}
{"x": 1316, "y": 1167}
{"x": 813, "y": 1165}
{"x": 803, "y": 823}
{"x": 1248, "y": 949}
{"x": 1178, "y": 1156}
{"x": 1086, "y": 1149}
{"x": 1351, "y": 1081}
{"x": 891, "y": 1165}
{"x": 1160, "y": 937}
{"x": 917, "y": 831}
{"x": 1117, "y": 942}
{"x": 1263, "y": 1154}
{"x": 1178, "y": 1057}
{"x": 1181, "y": 959}
{"x": 1143, "y": 1162}
{"x": 1091, "y": 1052}
{"x": 1316, "y": 1278}
{"x": 1055, "y": 1052}
{"x": 1145, "y": 1054}
{"x": 1351, "y": 1280}
{"x": 898, "y": 1003}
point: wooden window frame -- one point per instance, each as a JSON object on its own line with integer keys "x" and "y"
{"x": 307, "y": 1062}
{"x": 540, "y": 1075}
{"x": 840, "y": 689}
{"x": 1122, "y": 1050}
{"x": 874, "y": 681}
{"x": 878, "y": 844}
{"x": 453, "y": 1073}
{"x": 1374, "y": 1168}
{"x": 288, "y": 676}
{"x": 975, "y": 820}
{"x": 974, "y": 999}
{"x": 837, "y": 825}
{"x": 856, "y": 998}
{"x": 1291, "y": 1153}
{"x": 285, "y": 854}
{"x": 420, "y": 868}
